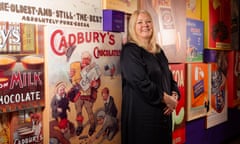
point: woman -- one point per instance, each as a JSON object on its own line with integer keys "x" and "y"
{"x": 149, "y": 92}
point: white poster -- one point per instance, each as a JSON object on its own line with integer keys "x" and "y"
{"x": 84, "y": 85}
{"x": 218, "y": 101}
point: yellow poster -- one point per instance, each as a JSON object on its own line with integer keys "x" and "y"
{"x": 193, "y": 9}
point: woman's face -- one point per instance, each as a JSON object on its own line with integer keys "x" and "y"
{"x": 144, "y": 27}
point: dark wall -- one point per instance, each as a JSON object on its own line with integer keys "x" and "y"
{"x": 220, "y": 134}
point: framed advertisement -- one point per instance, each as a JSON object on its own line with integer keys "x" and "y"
{"x": 193, "y": 9}
{"x": 195, "y": 38}
{"x": 233, "y": 79}
{"x": 217, "y": 24}
{"x": 218, "y": 98}
{"x": 197, "y": 90}
{"x": 179, "y": 115}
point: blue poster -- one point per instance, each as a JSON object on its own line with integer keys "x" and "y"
{"x": 194, "y": 40}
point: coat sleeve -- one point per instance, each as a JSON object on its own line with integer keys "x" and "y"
{"x": 134, "y": 73}
{"x": 173, "y": 83}
{"x": 174, "y": 86}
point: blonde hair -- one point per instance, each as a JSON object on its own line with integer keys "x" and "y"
{"x": 132, "y": 36}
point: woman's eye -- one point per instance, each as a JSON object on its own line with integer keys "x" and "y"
{"x": 144, "y": 22}
{"x": 148, "y": 22}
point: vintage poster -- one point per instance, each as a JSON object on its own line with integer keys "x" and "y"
{"x": 233, "y": 79}
{"x": 169, "y": 17}
{"x": 179, "y": 115}
{"x": 84, "y": 85}
{"x": 194, "y": 40}
{"x": 217, "y": 24}
{"x": 197, "y": 90}
{"x": 127, "y": 6}
{"x": 218, "y": 97}
{"x": 237, "y": 72}
{"x": 193, "y": 9}
{"x": 27, "y": 126}
{"x": 21, "y": 66}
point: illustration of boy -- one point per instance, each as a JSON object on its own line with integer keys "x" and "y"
{"x": 109, "y": 104}
{"x": 60, "y": 105}
{"x": 109, "y": 126}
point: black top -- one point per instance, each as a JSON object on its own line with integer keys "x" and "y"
{"x": 145, "y": 77}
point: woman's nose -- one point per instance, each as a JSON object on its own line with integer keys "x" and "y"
{"x": 145, "y": 23}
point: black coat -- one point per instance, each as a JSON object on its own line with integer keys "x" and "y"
{"x": 110, "y": 108}
{"x": 144, "y": 79}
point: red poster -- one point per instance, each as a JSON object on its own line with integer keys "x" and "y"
{"x": 215, "y": 14}
{"x": 233, "y": 78}
{"x": 179, "y": 119}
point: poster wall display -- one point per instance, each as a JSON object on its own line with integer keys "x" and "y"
{"x": 217, "y": 24}
{"x": 218, "y": 98}
{"x": 85, "y": 84}
{"x": 21, "y": 66}
{"x": 169, "y": 17}
{"x": 194, "y": 40}
{"x": 29, "y": 18}
{"x": 197, "y": 90}
{"x": 127, "y": 6}
{"x": 179, "y": 115}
